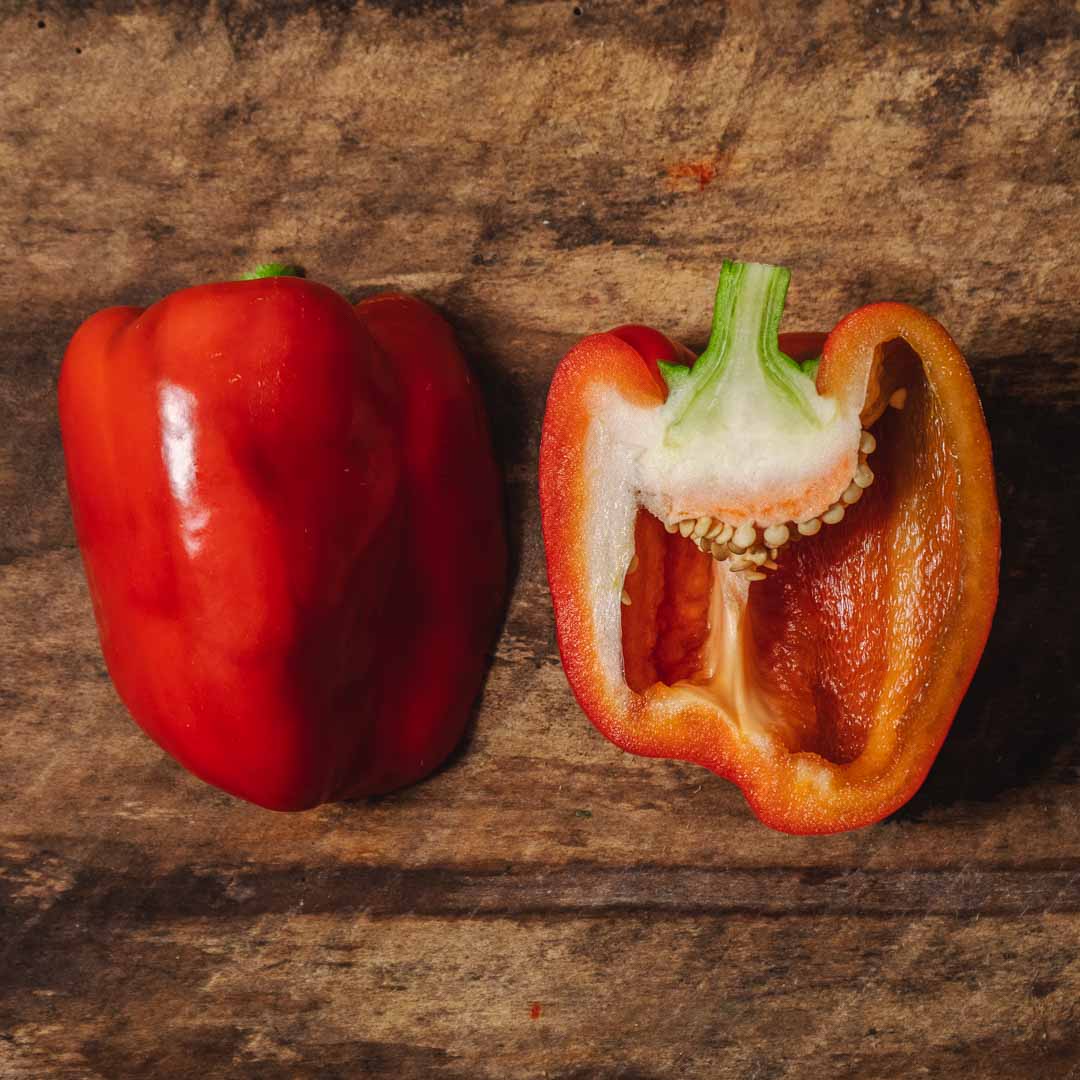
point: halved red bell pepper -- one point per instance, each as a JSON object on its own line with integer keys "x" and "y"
{"x": 758, "y": 565}
{"x": 291, "y": 526}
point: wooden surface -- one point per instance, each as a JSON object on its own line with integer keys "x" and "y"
{"x": 546, "y": 906}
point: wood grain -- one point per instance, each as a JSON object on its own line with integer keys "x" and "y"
{"x": 545, "y": 906}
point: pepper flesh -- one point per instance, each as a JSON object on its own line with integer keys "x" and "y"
{"x": 825, "y": 690}
{"x": 290, "y": 522}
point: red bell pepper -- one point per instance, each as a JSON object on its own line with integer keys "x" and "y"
{"x": 290, "y": 522}
{"x": 757, "y": 564}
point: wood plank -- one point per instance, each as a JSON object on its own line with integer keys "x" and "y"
{"x": 634, "y": 997}
{"x": 116, "y": 877}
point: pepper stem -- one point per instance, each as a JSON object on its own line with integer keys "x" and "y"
{"x": 267, "y": 270}
{"x": 743, "y": 346}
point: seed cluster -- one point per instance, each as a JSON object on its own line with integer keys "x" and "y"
{"x": 750, "y": 549}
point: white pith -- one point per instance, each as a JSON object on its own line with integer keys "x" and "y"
{"x": 758, "y": 454}
{"x": 755, "y": 444}
{"x": 610, "y": 466}
{"x": 727, "y": 677}
{"x": 711, "y": 503}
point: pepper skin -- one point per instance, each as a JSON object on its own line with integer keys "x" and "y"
{"x": 291, "y": 526}
{"x": 823, "y": 677}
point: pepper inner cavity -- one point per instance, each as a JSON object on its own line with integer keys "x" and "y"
{"x": 666, "y": 596}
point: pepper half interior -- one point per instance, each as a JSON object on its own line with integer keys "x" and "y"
{"x": 844, "y": 630}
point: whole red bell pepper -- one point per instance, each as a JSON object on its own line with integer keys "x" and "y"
{"x": 760, "y": 566}
{"x": 290, "y": 521}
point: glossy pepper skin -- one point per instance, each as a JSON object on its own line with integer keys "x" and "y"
{"x": 291, "y": 526}
{"x": 827, "y": 694}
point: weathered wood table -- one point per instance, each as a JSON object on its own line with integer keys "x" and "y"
{"x": 545, "y": 906}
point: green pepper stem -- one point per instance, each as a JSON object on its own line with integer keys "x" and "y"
{"x": 268, "y": 270}
{"x": 746, "y": 321}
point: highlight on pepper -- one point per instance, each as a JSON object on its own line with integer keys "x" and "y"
{"x": 779, "y": 559}
{"x": 253, "y": 469}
